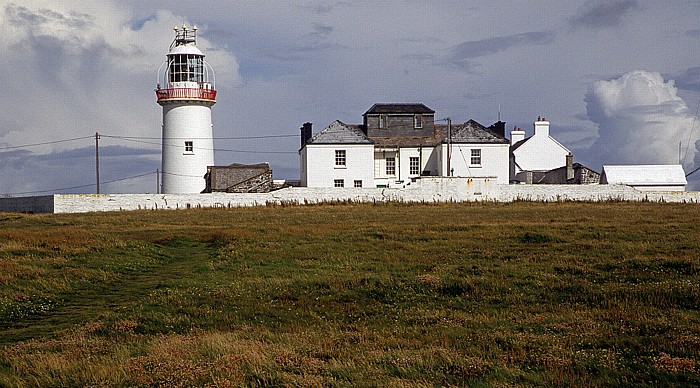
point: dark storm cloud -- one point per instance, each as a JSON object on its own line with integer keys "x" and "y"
{"x": 693, "y": 33}
{"x": 74, "y": 170}
{"x": 600, "y": 14}
{"x": 688, "y": 79}
{"x": 480, "y": 48}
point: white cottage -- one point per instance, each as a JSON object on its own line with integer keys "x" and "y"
{"x": 338, "y": 156}
{"x": 535, "y": 155}
{"x": 398, "y": 143}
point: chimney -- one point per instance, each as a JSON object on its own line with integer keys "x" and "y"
{"x": 499, "y": 128}
{"x": 541, "y": 127}
{"x": 305, "y": 133}
{"x": 516, "y": 135}
{"x": 569, "y": 167}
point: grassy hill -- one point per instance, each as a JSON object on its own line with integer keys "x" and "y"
{"x": 353, "y": 295}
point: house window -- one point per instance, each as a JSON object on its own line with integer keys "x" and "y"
{"x": 417, "y": 121}
{"x": 189, "y": 147}
{"x": 414, "y": 166}
{"x": 339, "y": 183}
{"x": 357, "y": 184}
{"x": 390, "y": 166}
{"x": 476, "y": 157}
{"x": 382, "y": 122}
{"x": 340, "y": 158}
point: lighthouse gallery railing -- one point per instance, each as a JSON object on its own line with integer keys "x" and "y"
{"x": 186, "y": 93}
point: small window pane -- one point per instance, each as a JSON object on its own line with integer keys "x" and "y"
{"x": 339, "y": 183}
{"x": 414, "y": 166}
{"x": 340, "y": 157}
{"x": 390, "y": 166}
{"x": 418, "y": 121}
{"x": 476, "y": 157}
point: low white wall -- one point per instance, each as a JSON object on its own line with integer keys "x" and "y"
{"x": 423, "y": 190}
{"x": 552, "y": 193}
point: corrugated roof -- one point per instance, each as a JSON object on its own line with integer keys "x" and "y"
{"x": 399, "y": 109}
{"x": 473, "y": 132}
{"x": 665, "y": 174}
{"x": 340, "y": 133}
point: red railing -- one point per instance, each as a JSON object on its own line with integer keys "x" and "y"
{"x": 186, "y": 94}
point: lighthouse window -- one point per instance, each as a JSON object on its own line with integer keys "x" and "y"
{"x": 189, "y": 147}
{"x": 185, "y": 67}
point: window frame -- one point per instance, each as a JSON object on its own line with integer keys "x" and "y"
{"x": 390, "y": 167}
{"x": 413, "y": 165}
{"x": 475, "y": 157}
{"x": 357, "y": 183}
{"x": 341, "y": 158}
{"x": 417, "y": 121}
{"x": 383, "y": 121}
{"x": 189, "y": 147}
{"x": 338, "y": 182}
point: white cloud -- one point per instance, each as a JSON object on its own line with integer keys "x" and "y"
{"x": 641, "y": 120}
{"x": 81, "y": 70}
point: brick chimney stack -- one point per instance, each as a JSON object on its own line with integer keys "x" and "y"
{"x": 306, "y": 133}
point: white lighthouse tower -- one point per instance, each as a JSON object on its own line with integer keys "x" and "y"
{"x": 186, "y": 92}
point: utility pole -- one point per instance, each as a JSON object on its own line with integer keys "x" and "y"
{"x": 157, "y": 181}
{"x": 449, "y": 145}
{"x": 97, "y": 160}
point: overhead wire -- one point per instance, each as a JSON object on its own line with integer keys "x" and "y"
{"x": 138, "y": 139}
{"x": 82, "y": 186}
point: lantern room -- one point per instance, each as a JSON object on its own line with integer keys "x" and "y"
{"x": 185, "y": 75}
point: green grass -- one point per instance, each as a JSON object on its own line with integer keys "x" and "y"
{"x": 354, "y": 295}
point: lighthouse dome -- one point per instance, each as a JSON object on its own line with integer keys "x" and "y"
{"x": 185, "y": 49}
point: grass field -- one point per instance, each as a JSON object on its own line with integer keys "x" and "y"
{"x": 354, "y": 295}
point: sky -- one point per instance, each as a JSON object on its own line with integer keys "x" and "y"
{"x": 619, "y": 80}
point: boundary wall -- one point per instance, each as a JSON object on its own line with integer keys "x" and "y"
{"x": 424, "y": 190}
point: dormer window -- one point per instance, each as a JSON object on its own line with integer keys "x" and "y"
{"x": 417, "y": 121}
{"x": 382, "y": 121}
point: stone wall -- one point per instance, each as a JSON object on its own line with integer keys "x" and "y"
{"x": 424, "y": 190}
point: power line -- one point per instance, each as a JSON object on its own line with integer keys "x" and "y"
{"x": 82, "y": 186}
{"x": 46, "y": 143}
{"x": 204, "y": 148}
{"x": 200, "y": 138}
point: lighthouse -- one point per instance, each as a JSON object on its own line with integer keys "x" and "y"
{"x": 186, "y": 92}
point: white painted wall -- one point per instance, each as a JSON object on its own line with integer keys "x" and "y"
{"x": 494, "y": 161}
{"x": 541, "y": 152}
{"x": 433, "y": 189}
{"x": 183, "y": 172}
{"x": 320, "y": 169}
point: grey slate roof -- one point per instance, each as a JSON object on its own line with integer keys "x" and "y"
{"x": 473, "y": 132}
{"x": 399, "y": 108}
{"x": 469, "y": 132}
{"x": 340, "y": 133}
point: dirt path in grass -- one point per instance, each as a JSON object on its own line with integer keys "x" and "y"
{"x": 92, "y": 300}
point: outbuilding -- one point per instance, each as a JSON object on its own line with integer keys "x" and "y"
{"x": 670, "y": 177}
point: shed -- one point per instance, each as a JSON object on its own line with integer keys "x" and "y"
{"x": 666, "y": 177}
{"x": 239, "y": 178}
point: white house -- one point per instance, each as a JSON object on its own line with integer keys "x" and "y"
{"x": 398, "y": 143}
{"x": 646, "y": 177}
{"x": 338, "y": 156}
{"x": 476, "y": 151}
{"x": 535, "y": 155}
